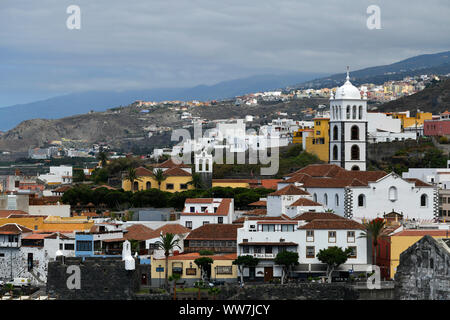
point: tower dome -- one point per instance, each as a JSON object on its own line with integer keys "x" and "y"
{"x": 348, "y": 91}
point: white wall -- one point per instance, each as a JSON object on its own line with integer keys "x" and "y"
{"x": 408, "y": 199}
{"x": 50, "y": 210}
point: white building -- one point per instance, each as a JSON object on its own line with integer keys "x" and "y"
{"x": 348, "y": 127}
{"x": 439, "y": 177}
{"x": 306, "y": 234}
{"x": 57, "y": 175}
{"x": 199, "y": 211}
{"x": 278, "y": 201}
{"x": 366, "y": 194}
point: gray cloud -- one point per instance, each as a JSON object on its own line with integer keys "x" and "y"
{"x": 160, "y": 43}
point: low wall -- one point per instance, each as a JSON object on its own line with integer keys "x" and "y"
{"x": 304, "y": 291}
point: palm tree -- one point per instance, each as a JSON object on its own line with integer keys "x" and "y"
{"x": 132, "y": 176}
{"x": 196, "y": 181}
{"x": 159, "y": 177}
{"x": 175, "y": 277}
{"x": 167, "y": 243}
{"x": 103, "y": 158}
{"x": 374, "y": 230}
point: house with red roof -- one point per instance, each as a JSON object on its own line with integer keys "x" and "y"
{"x": 200, "y": 211}
{"x": 306, "y": 234}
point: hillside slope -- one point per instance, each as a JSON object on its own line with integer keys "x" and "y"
{"x": 434, "y": 99}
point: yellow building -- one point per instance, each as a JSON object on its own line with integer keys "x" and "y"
{"x": 222, "y": 269}
{"x": 232, "y": 183}
{"x": 50, "y": 223}
{"x": 298, "y": 135}
{"x": 402, "y": 240}
{"x": 177, "y": 178}
{"x": 318, "y": 142}
{"x": 407, "y": 122}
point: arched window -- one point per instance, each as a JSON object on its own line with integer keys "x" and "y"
{"x": 148, "y": 185}
{"x": 325, "y": 199}
{"x": 348, "y": 112}
{"x": 315, "y": 197}
{"x": 336, "y": 200}
{"x": 335, "y": 152}
{"x": 423, "y": 200}
{"x": 335, "y": 133}
{"x": 355, "y": 133}
{"x": 354, "y": 112}
{"x": 361, "y": 200}
{"x": 360, "y": 113}
{"x": 135, "y": 186}
{"x": 355, "y": 168}
{"x": 393, "y": 193}
{"x": 355, "y": 152}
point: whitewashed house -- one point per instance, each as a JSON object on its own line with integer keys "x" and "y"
{"x": 306, "y": 234}
{"x": 199, "y": 211}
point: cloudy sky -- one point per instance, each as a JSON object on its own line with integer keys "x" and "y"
{"x": 176, "y": 43}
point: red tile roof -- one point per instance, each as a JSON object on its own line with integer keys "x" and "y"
{"x": 411, "y": 233}
{"x": 304, "y": 202}
{"x": 13, "y": 228}
{"x": 310, "y": 216}
{"x": 332, "y": 176}
{"x": 141, "y": 171}
{"x": 418, "y": 182}
{"x": 332, "y": 224}
{"x": 199, "y": 200}
{"x": 214, "y": 232}
{"x": 7, "y": 213}
{"x": 255, "y": 212}
{"x": 139, "y": 232}
{"x": 265, "y": 218}
{"x": 260, "y": 203}
{"x": 176, "y": 172}
{"x": 173, "y": 228}
{"x": 289, "y": 190}
{"x": 170, "y": 164}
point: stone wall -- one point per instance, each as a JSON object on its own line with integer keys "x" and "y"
{"x": 424, "y": 272}
{"x": 100, "y": 278}
{"x": 304, "y": 291}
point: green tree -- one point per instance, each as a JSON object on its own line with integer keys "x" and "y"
{"x": 196, "y": 181}
{"x": 245, "y": 262}
{"x": 159, "y": 177}
{"x": 287, "y": 260}
{"x": 132, "y": 177}
{"x": 175, "y": 277}
{"x": 214, "y": 291}
{"x": 203, "y": 263}
{"x": 78, "y": 175}
{"x": 333, "y": 257}
{"x": 100, "y": 176}
{"x": 374, "y": 231}
{"x": 103, "y": 158}
{"x": 167, "y": 243}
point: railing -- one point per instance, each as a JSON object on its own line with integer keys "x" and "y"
{"x": 261, "y": 255}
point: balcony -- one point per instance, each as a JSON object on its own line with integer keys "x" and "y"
{"x": 260, "y": 255}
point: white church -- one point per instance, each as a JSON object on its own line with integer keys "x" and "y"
{"x": 344, "y": 185}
